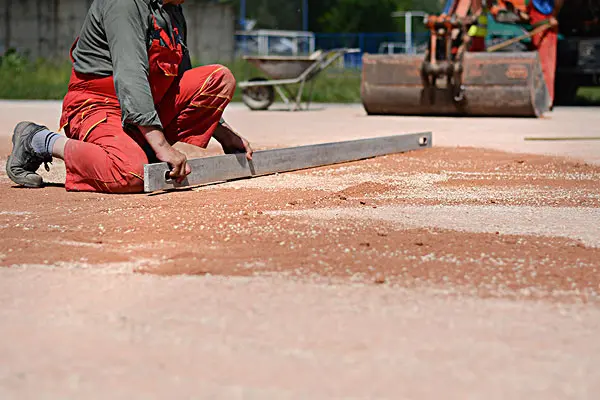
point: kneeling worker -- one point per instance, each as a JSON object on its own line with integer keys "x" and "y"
{"x": 132, "y": 95}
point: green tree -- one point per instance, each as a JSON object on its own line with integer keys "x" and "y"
{"x": 360, "y": 16}
{"x": 334, "y": 15}
{"x": 365, "y": 15}
{"x": 273, "y": 14}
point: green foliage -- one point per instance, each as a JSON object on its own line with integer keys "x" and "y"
{"x": 338, "y": 87}
{"x": 360, "y": 16}
{"x": 334, "y": 15}
{"x": 274, "y": 14}
{"x": 588, "y": 96}
{"x": 355, "y": 16}
{"x": 13, "y": 61}
{"x": 21, "y": 79}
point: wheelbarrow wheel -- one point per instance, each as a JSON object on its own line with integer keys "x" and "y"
{"x": 258, "y": 97}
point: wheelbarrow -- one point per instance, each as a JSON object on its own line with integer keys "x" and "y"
{"x": 282, "y": 72}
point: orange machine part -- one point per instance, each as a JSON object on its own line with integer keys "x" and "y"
{"x": 546, "y": 44}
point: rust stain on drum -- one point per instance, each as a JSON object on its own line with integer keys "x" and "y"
{"x": 475, "y": 70}
{"x": 517, "y": 71}
{"x": 498, "y": 60}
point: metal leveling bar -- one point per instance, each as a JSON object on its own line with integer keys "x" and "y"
{"x": 265, "y": 162}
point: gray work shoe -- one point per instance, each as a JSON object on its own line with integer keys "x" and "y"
{"x": 23, "y": 162}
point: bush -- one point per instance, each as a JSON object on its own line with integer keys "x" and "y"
{"x": 588, "y": 96}
{"x": 22, "y": 79}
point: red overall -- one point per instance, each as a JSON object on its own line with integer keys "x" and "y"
{"x": 105, "y": 158}
{"x": 546, "y": 45}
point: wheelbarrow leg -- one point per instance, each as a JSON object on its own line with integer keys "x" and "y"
{"x": 282, "y": 95}
{"x": 299, "y": 96}
{"x": 310, "y": 94}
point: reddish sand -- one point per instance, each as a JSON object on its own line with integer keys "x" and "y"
{"x": 235, "y": 228}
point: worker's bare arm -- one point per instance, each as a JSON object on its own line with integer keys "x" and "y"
{"x": 231, "y": 141}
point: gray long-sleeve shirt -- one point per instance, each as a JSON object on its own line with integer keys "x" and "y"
{"x": 114, "y": 41}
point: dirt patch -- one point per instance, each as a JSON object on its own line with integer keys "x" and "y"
{"x": 366, "y": 189}
{"x": 489, "y": 265}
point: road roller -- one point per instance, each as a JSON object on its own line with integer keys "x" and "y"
{"x": 459, "y": 74}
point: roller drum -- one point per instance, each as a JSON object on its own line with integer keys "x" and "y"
{"x": 496, "y": 84}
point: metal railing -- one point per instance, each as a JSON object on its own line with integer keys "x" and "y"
{"x": 266, "y": 42}
{"x": 271, "y": 42}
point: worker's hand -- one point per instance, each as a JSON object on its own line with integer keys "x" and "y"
{"x": 176, "y": 160}
{"x": 231, "y": 142}
{"x": 238, "y": 145}
{"x": 166, "y": 153}
{"x": 553, "y": 23}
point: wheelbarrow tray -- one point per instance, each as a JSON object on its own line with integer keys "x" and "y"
{"x": 281, "y": 67}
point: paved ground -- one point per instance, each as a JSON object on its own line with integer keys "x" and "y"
{"x": 341, "y": 122}
{"x": 451, "y": 272}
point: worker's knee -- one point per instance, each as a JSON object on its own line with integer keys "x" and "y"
{"x": 133, "y": 179}
{"x": 128, "y": 175}
{"x": 227, "y": 81}
{"x": 215, "y": 79}
{"x": 128, "y": 185}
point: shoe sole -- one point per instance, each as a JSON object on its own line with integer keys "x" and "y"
{"x": 10, "y": 175}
